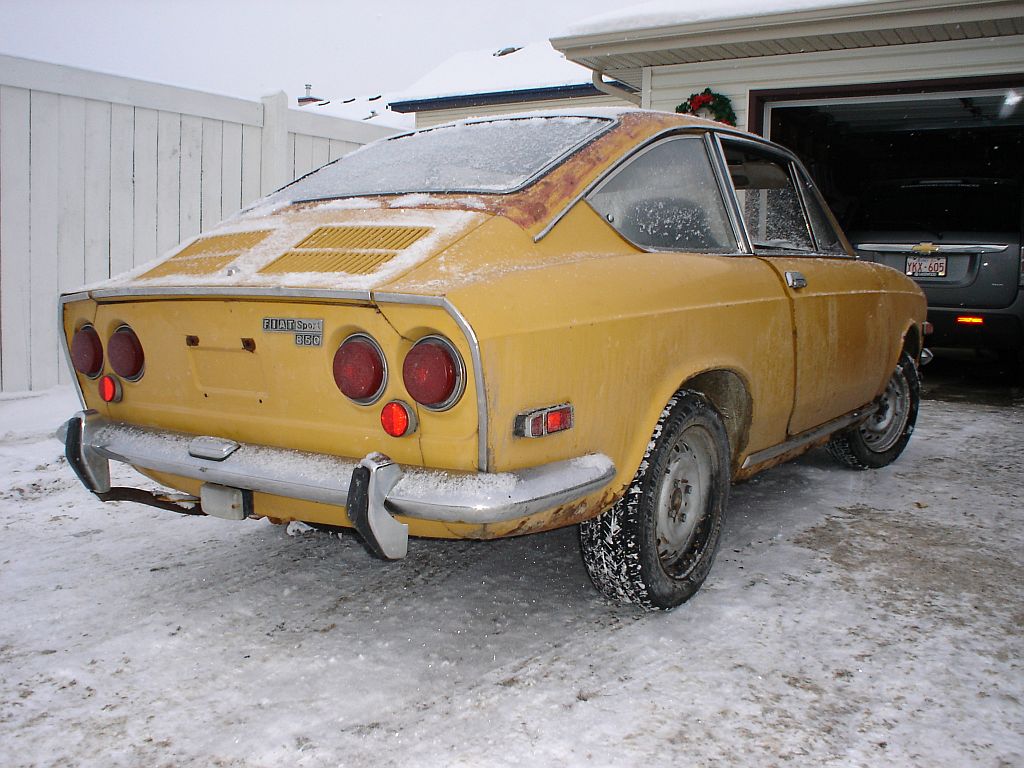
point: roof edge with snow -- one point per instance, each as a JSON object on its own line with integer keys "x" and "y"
{"x": 493, "y": 98}
{"x": 621, "y": 44}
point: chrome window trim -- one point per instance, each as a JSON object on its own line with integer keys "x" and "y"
{"x": 729, "y": 193}
{"x": 648, "y": 147}
{"x": 789, "y": 158}
{"x": 599, "y": 180}
{"x": 622, "y": 162}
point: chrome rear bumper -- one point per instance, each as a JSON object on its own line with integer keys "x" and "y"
{"x": 92, "y": 441}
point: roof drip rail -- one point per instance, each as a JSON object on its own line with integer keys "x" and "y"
{"x": 614, "y": 90}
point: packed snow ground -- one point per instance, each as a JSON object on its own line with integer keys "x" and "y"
{"x": 851, "y": 619}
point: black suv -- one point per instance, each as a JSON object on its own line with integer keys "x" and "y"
{"x": 960, "y": 239}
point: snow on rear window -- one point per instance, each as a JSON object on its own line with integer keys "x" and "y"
{"x": 492, "y": 156}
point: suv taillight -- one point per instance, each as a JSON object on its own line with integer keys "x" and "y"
{"x": 87, "y": 352}
{"x": 434, "y": 373}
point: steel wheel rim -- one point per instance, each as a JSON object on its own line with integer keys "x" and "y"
{"x": 884, "y": 428}
{"x": 683, "y": 500}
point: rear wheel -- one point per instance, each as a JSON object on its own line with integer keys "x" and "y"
{"x": 880, "y": 439}
{"x": 655, "y": 546}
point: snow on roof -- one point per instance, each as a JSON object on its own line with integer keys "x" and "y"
{"x": 668, "y": 13}
{"x": 536, "y": 65}
{"x": 371, "y": 109}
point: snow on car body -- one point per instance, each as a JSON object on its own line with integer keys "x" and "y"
{"x": 502, "y": 326}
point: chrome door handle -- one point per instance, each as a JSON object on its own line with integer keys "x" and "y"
{"x": 796, "y": 280}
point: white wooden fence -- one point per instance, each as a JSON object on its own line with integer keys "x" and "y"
{"x": 99, "y": 173}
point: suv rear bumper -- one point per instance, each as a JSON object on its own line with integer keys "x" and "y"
{"x": 998, "y": 329}
{"x": 223, "y": 466}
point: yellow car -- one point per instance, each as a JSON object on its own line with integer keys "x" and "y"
{"x": 500, "y": 326}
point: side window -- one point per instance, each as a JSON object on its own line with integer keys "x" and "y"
{"x": 767, "y": 197}
{"x": 824, "y": 233}
{"x": 668, "y": 198}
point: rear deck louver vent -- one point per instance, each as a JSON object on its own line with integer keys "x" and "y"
{"x": 352, "y": 250}
{"x": 208, "y": 255}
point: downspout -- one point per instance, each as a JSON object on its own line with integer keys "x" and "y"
{"x": 614, "y": 90}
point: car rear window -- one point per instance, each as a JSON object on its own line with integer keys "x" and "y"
{"x": 983, "y": 205}
{"x": 488, "y": 156}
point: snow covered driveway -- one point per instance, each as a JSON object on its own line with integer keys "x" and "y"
{"x": 851, "y": 619}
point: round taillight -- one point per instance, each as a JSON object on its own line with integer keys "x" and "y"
{"x": 87, "y": 351}
{"x": 359, "y": 369}
{"x": 397, "y": 418}
{"x": 433, "y": 373}
{"x": 110, "y": 389}
{"x": 126, "y": 355}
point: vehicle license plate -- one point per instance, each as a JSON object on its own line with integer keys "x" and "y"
{"x": 926, "y": 266}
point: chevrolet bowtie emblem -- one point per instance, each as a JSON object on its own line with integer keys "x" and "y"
{"x": 925, "y": 248}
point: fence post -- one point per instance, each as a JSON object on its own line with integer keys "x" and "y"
{"x": 274, "y": 155}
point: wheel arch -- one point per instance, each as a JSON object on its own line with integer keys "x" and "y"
{"x": 729, "y": 395}
{"x": 912, "y": 341}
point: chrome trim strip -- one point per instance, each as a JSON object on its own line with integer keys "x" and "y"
{"x": 453, "y": 497}
{"x": 172, "y": 291}
{"x": 945, "y": 248}
{"x": 762, "y": 456}
{"x": 64, "y": 344}
{"x": 728, "y": 192}
{"x": 483, "y": 460}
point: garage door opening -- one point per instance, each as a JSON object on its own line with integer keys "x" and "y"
{"x": 931, "y": 185}
{"x": 863, "y": 151}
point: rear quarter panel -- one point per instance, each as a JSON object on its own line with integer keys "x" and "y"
{"x": 584, "y": 317}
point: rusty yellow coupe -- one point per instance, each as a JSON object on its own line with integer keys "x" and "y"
{"x": 500, "y": 326}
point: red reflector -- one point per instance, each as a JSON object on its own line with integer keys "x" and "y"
{"x": 558, "y": 419}
{"x": 397, "y": 419}
{"x": 970, "y": 320}
{"x": 126, "y": 355}
{"x": 359, "y": 369}
{"x": 110, "y": 389}
{"x": 87, "y": 351}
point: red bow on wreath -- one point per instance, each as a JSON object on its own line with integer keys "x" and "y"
{"x": 718, "y": 105}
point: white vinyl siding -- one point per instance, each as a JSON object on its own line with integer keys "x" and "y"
{"x": 672, "y": 85}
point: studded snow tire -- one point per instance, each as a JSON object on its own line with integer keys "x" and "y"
{"x": 655, "y": 546}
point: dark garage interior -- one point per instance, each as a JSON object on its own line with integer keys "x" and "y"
{"x": 855, "y": 149}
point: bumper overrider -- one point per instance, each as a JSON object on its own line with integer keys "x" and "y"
{"x": 374, "y": 489}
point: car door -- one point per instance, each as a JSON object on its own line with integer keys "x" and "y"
{"x": 840, "y": 349}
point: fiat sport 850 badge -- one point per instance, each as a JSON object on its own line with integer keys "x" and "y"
{"x": 308, "y": 333}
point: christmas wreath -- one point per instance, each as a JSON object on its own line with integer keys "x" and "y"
{"x": 718, "y": 105}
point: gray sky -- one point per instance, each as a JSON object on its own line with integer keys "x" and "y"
{"x": 249, "y": 48}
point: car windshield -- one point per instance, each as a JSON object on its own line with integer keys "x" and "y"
{"x": 964, "y": 205}
{"x": 489, "y": 156}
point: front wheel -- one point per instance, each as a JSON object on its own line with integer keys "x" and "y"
{"x": 881, "y": 438}
{"x": 655, "y": 546}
